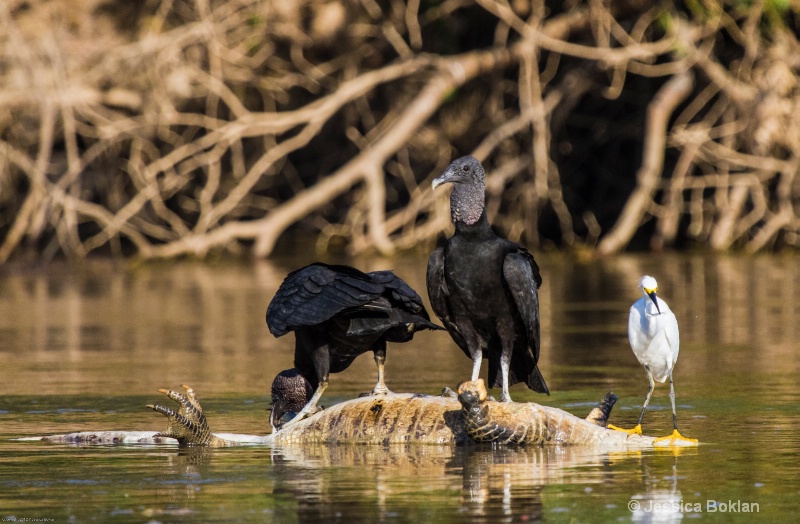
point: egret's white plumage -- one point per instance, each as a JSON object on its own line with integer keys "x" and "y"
{"x": 653, "y": 331}
{"x": 655, "y": 340}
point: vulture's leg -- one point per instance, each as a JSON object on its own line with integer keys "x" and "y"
{"x": 505, "y": 396}
{"x": 313, "y": 350}
{"x": 310, "y": 408}
{"x": 474, "y": 344}
{"x": 505, "y": 363}
{"x": 477, "y": 359}
{"x": 380, "y": 360}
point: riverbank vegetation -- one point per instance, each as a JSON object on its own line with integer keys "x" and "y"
{"x": 171, "y": 128}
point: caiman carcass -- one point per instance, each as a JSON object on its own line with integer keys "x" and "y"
{"x": 398, "y": 418}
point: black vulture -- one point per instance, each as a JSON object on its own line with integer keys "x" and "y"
{"x": 484, "y": 288}
{"x": 337, "y": 313}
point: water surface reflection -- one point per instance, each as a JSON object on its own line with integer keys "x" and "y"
{"x": 85, "y": 347}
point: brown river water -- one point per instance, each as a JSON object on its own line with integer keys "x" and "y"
{"x": 86, "y": 347}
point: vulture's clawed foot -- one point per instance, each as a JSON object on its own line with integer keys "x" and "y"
{"x": 377, "y": 391}
{"x": 188, "y": 425}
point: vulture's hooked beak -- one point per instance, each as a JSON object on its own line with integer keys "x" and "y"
{"x": 275, "y": 413}
{"x": 448, "y": 176}
{"x": 439, "y": 181}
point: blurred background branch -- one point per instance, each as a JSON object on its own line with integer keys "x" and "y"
{"x": 170, "y": 128}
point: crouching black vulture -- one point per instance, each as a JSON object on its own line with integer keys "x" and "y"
{"x": 337, "y": 313}
{"x": 290, "y": 392}
{"x": 484, "y": 288}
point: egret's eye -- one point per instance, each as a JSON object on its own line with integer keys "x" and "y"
{"x": 465, "y": 168}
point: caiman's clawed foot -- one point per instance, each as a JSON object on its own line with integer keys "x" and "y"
{"x": 188, "y": 425}
{"x": 600, "y": 413}
{"x": 676, "y": 439}
{"x": 636, "y": 430}
{"x": 472, "y": 393}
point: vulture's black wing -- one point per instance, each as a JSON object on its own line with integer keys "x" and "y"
{"x": 437, "y": 294}
{"x": 313, "y": 294}
{"x": 407, "y": 310}
{"x": 519, "y": 277}
{"x": 521, "y": 274}
{"x": 399, "y": 293}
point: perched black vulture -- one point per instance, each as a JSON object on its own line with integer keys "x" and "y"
{"x": 484, "y": 288}
{"x": 337, "y": 313}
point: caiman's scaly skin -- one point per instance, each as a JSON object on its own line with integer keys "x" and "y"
{"x": 395, "y": 418}
{"x": 405, "y": 418}
{"x": 398, "y": 419}
{"x": 529, "y": 423}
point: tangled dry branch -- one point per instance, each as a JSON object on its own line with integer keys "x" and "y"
{"x": 181, "y": 127}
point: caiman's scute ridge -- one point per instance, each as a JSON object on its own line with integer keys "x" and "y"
{"x": 398, "y": 419}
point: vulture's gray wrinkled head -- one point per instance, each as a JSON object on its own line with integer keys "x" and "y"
{"x": 290, "y": 392}
{"x": 469, "y": 185}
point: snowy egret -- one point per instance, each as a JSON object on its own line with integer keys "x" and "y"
{"x": 653, "y": 334}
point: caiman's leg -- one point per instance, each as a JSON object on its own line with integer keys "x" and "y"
{"x": 599, "y": 415}
{"x": 188, "y": 425}
{"x": 676, "y": 435}
{"x": 448, "y": 393}
{"x": 638, "y": 428}
{"x": 380, "y": 360}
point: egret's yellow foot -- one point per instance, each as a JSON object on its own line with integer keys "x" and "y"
{"x": 676, "y": 435}
{"x": 637, "y": 430}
